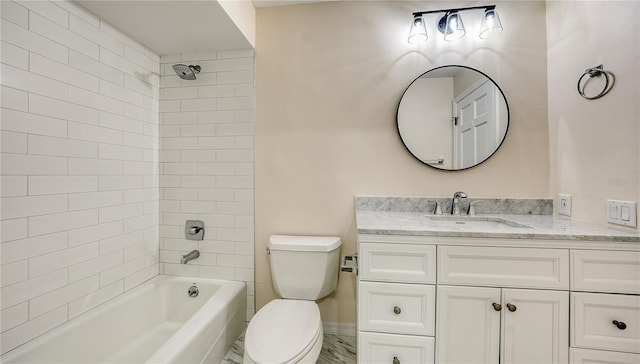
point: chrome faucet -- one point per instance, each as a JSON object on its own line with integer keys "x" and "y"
{"x": 455, "y": 204}
{"x": 189, "y": 256}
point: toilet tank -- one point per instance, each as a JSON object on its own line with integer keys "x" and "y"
{"x": 304, "y": 267}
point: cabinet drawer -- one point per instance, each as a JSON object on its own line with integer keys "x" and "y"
{"x": 396, "y": 308}
{"x": 504, "y": 267}
{"x": 376, "y": 348}
{"x": 397, "y": 262}
{"x": 586, "y": 356}
{"x": 592, "y": 317}
{"x": 605, "y": 271}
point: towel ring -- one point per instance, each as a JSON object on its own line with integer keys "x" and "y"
{"x": 595, "y": 72}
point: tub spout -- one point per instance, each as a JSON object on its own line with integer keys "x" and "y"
{"x": 190, "y": 256}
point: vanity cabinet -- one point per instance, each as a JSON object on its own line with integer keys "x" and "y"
{"x": 445, "y": 300}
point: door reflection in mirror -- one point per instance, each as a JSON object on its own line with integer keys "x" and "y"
{"x": 452, "y": 117}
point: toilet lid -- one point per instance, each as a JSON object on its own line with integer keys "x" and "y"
{"x": 282, "y": 330}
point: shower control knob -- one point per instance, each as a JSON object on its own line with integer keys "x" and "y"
{"x": 397, "y": 310}
{"x": 396, "y": 360}
{"x": 619, "y": 324}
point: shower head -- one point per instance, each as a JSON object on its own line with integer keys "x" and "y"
{"x": 186, "y": 72}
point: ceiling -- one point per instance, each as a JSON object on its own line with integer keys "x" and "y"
{"x": 177, "y": 26}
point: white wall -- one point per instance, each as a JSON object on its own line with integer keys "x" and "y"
{"x": 206, "y": 169}
{"x": 79, "y": 165}
{"x": 594, "y": 144}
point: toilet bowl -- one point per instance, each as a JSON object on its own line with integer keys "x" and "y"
{"x": 284, "y": 331}
{"x": 289, "y": 330}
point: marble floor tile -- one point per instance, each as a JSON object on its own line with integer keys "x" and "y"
{"x": 335, "y": 350}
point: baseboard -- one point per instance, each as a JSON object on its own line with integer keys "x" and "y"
{"x": 337, "y": 328}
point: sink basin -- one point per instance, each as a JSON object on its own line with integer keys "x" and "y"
{"x": 474, "y": 222}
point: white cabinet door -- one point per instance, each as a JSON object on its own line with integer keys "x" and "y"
{"x": 468, "y": 325}
{"x": 535, "y": 326}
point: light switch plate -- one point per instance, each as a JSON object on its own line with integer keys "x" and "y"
{"x": 564, "y": 207}
{"x": 621, "y": 213}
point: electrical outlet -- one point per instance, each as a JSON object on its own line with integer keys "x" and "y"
{"x": 565, "y": 204}
{"x": 621, "y": 213}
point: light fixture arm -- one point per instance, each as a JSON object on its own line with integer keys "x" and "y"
{"x": 485, "y": 7}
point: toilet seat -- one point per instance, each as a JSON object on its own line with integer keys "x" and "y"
{"x": 283, "y": 331}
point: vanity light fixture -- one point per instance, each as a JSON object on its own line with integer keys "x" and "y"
{"x": 450, "y": 24}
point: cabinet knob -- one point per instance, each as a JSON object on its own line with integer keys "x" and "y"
{"x": 396, "y": 360}
{"x": 497, "y": 306}
{"x": 511, "y": 307}
{"x": 619, "y": 324}
{"x": 397, "y": 311}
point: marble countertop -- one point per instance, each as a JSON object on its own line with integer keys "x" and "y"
{"x": 537, "y": 227}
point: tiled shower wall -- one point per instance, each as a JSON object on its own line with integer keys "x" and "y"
{"x": 206, "y": 166}
{"x": 79, "y": 165}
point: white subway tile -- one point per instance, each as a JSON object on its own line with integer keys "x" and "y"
{"x": 198, "y": 181}
{"x": 235, "y": 208}
{"x": 245, "y": 63}
{"x": 216, "y": 91}
{"x": 14, "y": 12}
{"x": 43, "y": 264}
{"x": 93, "y": 33}
{"x": 170, "y": 256}
{"x": 140, "y": 168}
{"x": 226, "y": 221}
{"x": 170, "y": 106}
{"x": 235, "y": 129}
{"x": 33, "y": 83}
{"x": 169, "y": 181}
{"x": 185, "y": 270}
{"x": 19, "y": 335}
{"x": 180, "y": 193}
{"x": 169, "y": 81}
{"x": 14, "y": 272}
{"x": 14, "y": 99}
{"x": 13, "y": 186}
{"x": 119, "y": 212}
{"x": 141, "y": 276}
{"x": 22, "y": 249}
{"x": 120, "y": 93}
{"x": 94, "y": 233}
{"x": 55, "y": 32}
{"x": 225, "y": 247}
{"x": 140, "y": 195}
{"x": 49, "y": 10}
{"x": 179, "y": 244}
{"x": 46, "y": 185}
{"x": 14, "y": 316}
{"x": 109, "y": 183}
{"x": 244, "y": 142}
{"x": 13, "y": 120}
{"x": 95, "y": 100}
{"x": 49, "y": 146}
{"x": 167, "y": 231}
{"x": 14, "y": 56}
{"x": 198, "y": 207}
{"x": 116, "y": 61}
{"x": 198, "y": 130}
{"x": 20, "y": 164}
{"x": 244, "y": 194}
{"x": 14, "y": 207}
{"x": 119, "y": 122}
{"x": 206, "y": 271}
{"x": 94, "y": 266}
{"x": 180, "y": 168}
{"x": 244, "y": 90}
{"x": 121, "y": 271}
{"x": 93, "y": 66}
{"x": 40, "y": 225}
{"x": 11, "y": 142}
{"x": 216, "y": 194}
{"x": 138, "y": 57}
{"x": 119, "y": 152}
{"x": 94, "y": 299}
{"x": 217, "y": 65}
{"x": 244, "y": 248}
{"x": 202, "y": 80}
{"x": 149, "y": 115}
{"x": 93, "y": 167}
{"x": 216, "y": 169}
{"x": 31, "y": 41}
{"x": 244, "y": 221}
{"x": 20, "y": 292}
{"x": 180, "y": 118}
{"x": 178, "y": 93}
{"x": 94, "y": 133}
{"x": 234, "y": 182}
{"x": 217, "y": 142}
{"x": 73, "y": 8}
{"x": 61, "y": 72}
{"x": 168, "y": 156}
{"x": 13, "y": 229}
{"x": 169, "y": 205}
{"x": 91, "y": 200}
{"x": 180, "y": 143}
{"x": 235, "y": 155}
{"x": 244, "y": 169}
{"x": 140, "y": 141}
{"x": 198, "y": 105}
{"x": 243, "y": 274}
{"x": 141, "y": 87}
{"x": 62, "y": 110}
{"x": 141, "y": 222}
{"x": 62, "y": 296}
{"x": 234, "y": 103}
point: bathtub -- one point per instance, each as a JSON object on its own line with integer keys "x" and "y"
{"x": 156, "y": 322}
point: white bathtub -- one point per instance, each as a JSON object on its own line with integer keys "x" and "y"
{"x": 156, "y": 322}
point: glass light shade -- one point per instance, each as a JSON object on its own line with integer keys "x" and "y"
{"x": 418, "y": 31}
{"x": 491, "y": 25}
{"x": 455, "y": 28}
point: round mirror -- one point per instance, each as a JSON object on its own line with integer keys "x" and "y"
{"x": 453, "y": 117}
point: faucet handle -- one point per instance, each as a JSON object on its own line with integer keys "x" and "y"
{"x": 437, "y": 210}
{"x": 472, "y": 210}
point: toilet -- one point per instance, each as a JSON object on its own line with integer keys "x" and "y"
{"x": 289, "y": 330}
